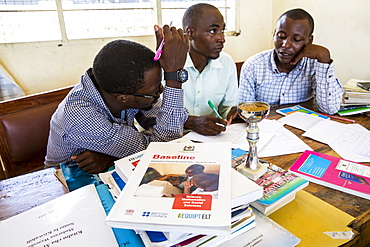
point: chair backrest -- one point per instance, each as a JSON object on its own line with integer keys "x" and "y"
{"x": 24, "y": 130}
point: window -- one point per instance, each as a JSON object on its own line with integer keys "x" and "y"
{"x": 44, "y": 20}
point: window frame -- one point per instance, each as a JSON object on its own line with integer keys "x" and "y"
{"x": 156, "y": 6}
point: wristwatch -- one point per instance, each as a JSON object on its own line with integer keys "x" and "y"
{"x": 181, "y": 75}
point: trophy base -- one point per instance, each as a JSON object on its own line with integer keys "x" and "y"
{"x": 253, "y": 174}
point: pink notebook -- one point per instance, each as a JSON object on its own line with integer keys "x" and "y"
{"x": 334, "y": 172}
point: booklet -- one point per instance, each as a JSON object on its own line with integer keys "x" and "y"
{"x": 240, "y": 195}
{"x": 279, "y": 185}
{"x": 74, "y": 219}
{"x": 334, "y": 172}
{"x": 298, "y": 108}
{"x": 204, "y": 211}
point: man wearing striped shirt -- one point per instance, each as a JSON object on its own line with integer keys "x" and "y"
{"x": 295, "y": 71}
{"x": 94, "y": 124}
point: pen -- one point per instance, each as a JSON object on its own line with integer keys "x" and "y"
{"x": 340, "y": 118}
{"x": 160, "y": 48}
{"x": 214, "y": 109}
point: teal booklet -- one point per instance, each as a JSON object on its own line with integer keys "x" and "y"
{"x": 76, "y": 178}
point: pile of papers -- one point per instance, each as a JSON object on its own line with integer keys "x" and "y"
{"x": 274, "y": 138}
{"x": 350, "y": 141}
{"x": 354, "y": 94}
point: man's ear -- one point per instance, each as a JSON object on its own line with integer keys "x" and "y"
{"x": 273, "y": 34}
{"x": 189, "y": 31}
{"x": 122, "y": 98}
{"x": 310, "y": 39}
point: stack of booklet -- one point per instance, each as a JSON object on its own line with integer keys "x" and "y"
{"x": 279, "y": 186}
{"x": 356, "y": 99}
{"x": 355, "y": 94}
{"x": 152, "y": 201}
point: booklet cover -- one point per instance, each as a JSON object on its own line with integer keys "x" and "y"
{"x": 334, "y": 172}
{"x": 277, "y": 183}
{"x": 204, "y": 211}
{"x": 298, "y": 108}
{"x": 240, "y": 195}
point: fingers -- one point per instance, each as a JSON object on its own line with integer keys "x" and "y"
{"x": 158, "y": 34}
{"x": 313, "y": 51}
{"x": 297, "y": 58}
{"x": 233, "y": 113}
{"x": 79, "y": 158}
{"x": 176, "y": 46}
{"x": 220, "y": 122}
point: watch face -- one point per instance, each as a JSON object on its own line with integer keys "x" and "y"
{"x": 183, "y": 75}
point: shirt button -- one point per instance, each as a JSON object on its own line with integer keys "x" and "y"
{"x": 198, "y": 91}
{"x": 282, "y": 94}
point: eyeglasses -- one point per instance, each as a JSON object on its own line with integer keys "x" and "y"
{"x": 142, "y": 95}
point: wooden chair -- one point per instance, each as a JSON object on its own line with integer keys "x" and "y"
{"x": 24, "y": 130}
{"x": 238, "y": 68}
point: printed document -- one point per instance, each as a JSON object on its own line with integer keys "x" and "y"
{"x": 350, "y": 141}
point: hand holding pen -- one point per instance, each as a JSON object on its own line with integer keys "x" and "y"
{"x": 230, "y": 117}
{"x": 160, "y": 48}
{"x": 173, "y": 46}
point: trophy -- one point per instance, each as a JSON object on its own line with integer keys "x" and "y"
{"x": 253, "y": 112}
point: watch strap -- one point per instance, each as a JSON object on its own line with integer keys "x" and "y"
{"x": 170, "y": 75}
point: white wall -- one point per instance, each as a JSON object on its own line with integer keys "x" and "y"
{"x": 42, "y": 66}
{"x": 341, "y": 26}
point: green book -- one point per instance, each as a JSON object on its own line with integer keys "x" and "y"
{"x": 353, "y": 111}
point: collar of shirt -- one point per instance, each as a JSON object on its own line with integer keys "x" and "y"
{"x": 212, "y": 63}
{"x": 275, "y": 69}
{"x": 96, "y": 97}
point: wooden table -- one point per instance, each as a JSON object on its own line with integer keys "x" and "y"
{"x": 352, "y": 205}
{"x": 21, "y": 193}
{"x": 24, "y": 192}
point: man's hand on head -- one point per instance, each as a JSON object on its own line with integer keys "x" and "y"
{"x": 175, "y": 48}
{"x": 318, "y": 52}
{"x": 94, "y": 162}
{"x": 208, "y": 125}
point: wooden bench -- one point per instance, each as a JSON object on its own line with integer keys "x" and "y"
{"x": 24, "y": 130}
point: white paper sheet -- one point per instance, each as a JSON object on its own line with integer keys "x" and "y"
{"x": 74, "y": 219}
{"x": 283, "y": 142}
{"x": 300, "y": 120}
{"x": 350, "y": 141}
{"x": 236, "y": 134}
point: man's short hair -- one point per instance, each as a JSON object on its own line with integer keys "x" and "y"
{"x": 194, "y": 13}
{"x": 120, "y": 66}
{"x": 299, "y": 14}
{"x": 195, "y": 169}
{"x": 208, "y": 181}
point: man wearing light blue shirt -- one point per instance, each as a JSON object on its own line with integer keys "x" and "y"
{"x": 212, "y": 73}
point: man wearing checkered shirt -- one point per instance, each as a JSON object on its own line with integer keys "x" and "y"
{"x": 94, "y": 124}
{"x": 295, "y": 71}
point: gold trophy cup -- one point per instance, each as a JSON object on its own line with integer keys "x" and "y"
{"x": 253, "y": 112}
